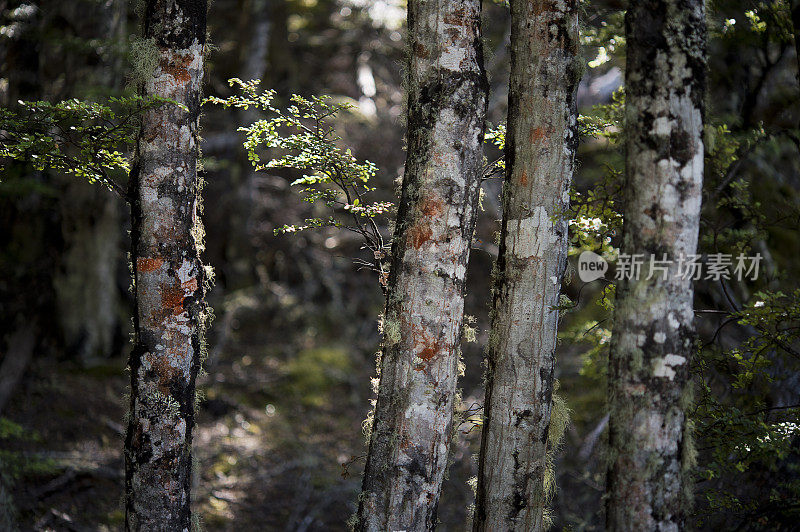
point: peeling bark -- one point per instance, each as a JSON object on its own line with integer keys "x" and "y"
{"x": 540, "y": 154}
{"x": 168, "y": 275}
{"x": 413, "y": 418}
{"x": 653, "y": 330}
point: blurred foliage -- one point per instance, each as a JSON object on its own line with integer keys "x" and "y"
{"x": 306, "y": 138}
{"x": 17, "y": 464}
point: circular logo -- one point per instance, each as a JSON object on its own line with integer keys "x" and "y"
{"x": 591, "y": 266}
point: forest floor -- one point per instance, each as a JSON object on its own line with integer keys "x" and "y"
{"x": 274, "y": 426}
{"x": 278, "y": 442}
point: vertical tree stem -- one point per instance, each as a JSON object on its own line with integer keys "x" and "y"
{"x": 413, "y": 417}
{"x": 540, "y": 152}
{"x": 168, "y": 275}
{"x": 653, "y": 330}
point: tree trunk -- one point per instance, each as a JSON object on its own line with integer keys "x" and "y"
{"x": 279, "y": 56}
{"x": 540, "y": 154}
{"x": 18, "y": 355}
{"x": 168, "y": 275}
{"x": 256, "y": 24}
{"x": 86, "y": 285}
{"x": 794, "y": 12}
{"x": 86, "y": 290}
{"x": 413, "y": 417}
{"x": 653, "y": 330}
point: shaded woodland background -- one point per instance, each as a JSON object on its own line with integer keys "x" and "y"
{"x": 291, "y": 352}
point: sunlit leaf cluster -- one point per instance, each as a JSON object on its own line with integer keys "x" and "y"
{"x": 302, "y": 137}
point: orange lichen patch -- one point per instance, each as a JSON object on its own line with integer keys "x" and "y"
{"x": 419, "y": 234}
{"x": 457, "y": 18}
{"x": 144, "y": 264}
{"x": 430, "y": 345}
{"x": 523, "y": 178}
{"x": 164, "y": 371}
{"x": 537, "y": 134}
{"x": 537, "y": 8}
{"x": 172, "y": 299}
{"x": 429, "y": 352}
{"x": 421, "y": 231}
{"x": 191, "y": 284}
{"x": 453, "y": 35}
{"x": 420, "y": 51}
{"x": 430, "y": 207}
{"x": 177, "y": 67}
{"x": 635, "y": 389}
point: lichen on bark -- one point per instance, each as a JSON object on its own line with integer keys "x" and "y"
{"x": 169, "y": 278}
{"x": 652, "y": 337}
{"x": 540, "y": 150}
{"x": 413, "y": 418}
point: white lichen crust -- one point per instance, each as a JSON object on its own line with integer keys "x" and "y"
{"x": 423, "y": 321}
{"x": 168, "y": 275}
{"x": 540, "y": 153}
{"x": 652, "y": 337}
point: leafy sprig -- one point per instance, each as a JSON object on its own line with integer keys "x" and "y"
{"x": 306, "y": 140}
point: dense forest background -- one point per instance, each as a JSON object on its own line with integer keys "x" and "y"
{"x": 286, "y": 385}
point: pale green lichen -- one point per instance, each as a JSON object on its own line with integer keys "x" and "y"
{"x": 161, "y": 404}
{"x": 470, "y": 332}
{"x": 352, "y": 521}
{"x": 197, "y": 522}
{"x": 391, "y": 330}
{"x": 559, "y": 420}
{"x": 366, "y": 425}
{"x": 472, "y": 482}
{"x": 144, "y": 56}
{"x": 689, "y": 449}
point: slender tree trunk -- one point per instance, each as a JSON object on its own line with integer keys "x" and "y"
{"x": 653, "y": 330}
{"x": 21, "y": 50}
{"x": 412, "y": 426}
{"x": 86, "y": 290}
{"x": 281, "y": 66}
{"x": 256, "y": 24}
{"x": 540, "y": 153}
{"x": 794, "y": 13}
{"x": 16, "y": 358}
{"x": 86, "y": 285}
{"x": 169, "y": 277}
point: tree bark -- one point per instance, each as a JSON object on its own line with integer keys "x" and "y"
{"x": 653, "y": 330}
{"x": 168, "y": 275}
{"x": 413, "y": 417}
{"x": 540, "y": 154}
